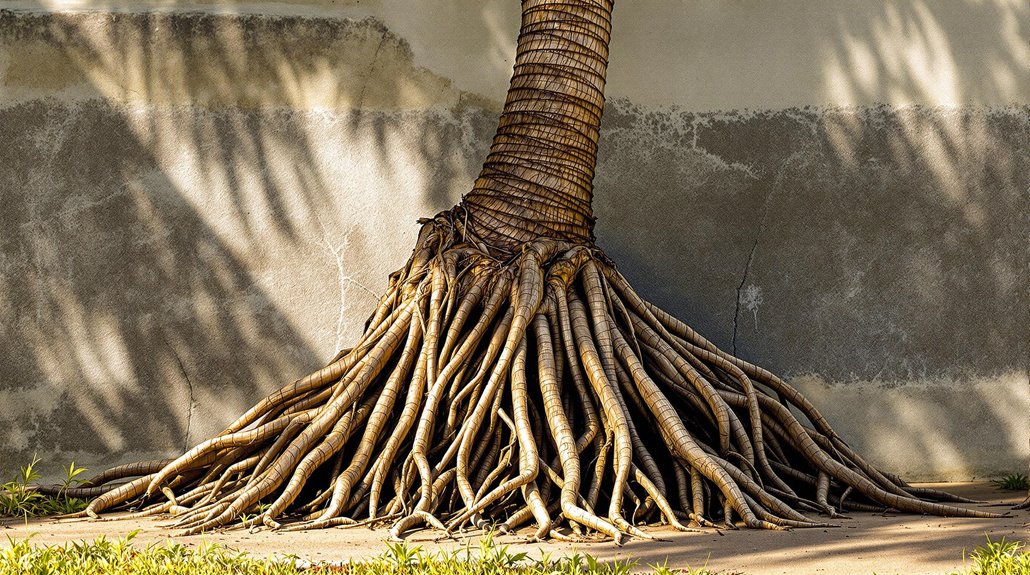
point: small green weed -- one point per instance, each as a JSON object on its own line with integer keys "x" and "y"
{"x": 18, "y": 497}
{"x": 998, "y": 558}
{"x": 1014, "y": 482}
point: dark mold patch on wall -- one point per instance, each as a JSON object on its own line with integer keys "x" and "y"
{"x": 215, "y": 60}
{"x": 860, "y": 244}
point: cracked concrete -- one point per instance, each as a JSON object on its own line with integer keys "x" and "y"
{"x": 343, "y": 280}
{"x": 754, "y": 300}
{"x": 371, "y": 71}
{"x": 235, "y": 205}
{"x": 190, "y": 401}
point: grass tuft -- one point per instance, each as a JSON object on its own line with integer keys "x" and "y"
{"x": 1014, "y": 482}
{"x": 18, "y": 498}
{"x": 998, "y": 558}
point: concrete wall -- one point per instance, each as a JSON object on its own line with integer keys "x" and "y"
{"x": 201, "y": 202}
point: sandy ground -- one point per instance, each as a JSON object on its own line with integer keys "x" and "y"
{"x": 866, "y": 543}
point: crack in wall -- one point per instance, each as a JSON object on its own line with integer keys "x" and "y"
{"x": 743, "y": 279}
{"x": 371, "y": 69}
{"x": 362, "y": 286}
{"x": 192, "y": 400}
{"x": 752, "y": 297}
{"x": 341, "y": 277}
{"x": 342, "y": 280}
{"x": 747, "y": 269}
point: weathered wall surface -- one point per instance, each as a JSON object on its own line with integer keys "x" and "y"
{"x": 200, "y": 203}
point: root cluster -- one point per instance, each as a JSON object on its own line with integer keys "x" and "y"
{"x": 500, "y": 391}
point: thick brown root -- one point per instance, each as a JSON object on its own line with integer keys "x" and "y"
{"x": 489, "y": 391}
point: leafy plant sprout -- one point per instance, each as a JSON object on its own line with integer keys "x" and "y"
{"x": 1013, "y": 482}
{"x": 19, "y": 497}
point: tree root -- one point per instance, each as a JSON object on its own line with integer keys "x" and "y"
{"x": 493, "y": 391}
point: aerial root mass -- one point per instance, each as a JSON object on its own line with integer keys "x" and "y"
{"x": 499, "y": 391}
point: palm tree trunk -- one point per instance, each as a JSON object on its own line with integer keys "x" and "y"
{"x": 538, "y": 179}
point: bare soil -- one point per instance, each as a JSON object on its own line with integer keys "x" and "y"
{"x": 866, "y": 543}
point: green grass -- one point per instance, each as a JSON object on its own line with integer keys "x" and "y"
{"x": 121, "y": 556}
{"x": 18, "y": 499}
{"x": 998, "y": 558}
{"x": 1014, "y": 482}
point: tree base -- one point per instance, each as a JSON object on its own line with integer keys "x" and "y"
{"x": 496, "y": 391}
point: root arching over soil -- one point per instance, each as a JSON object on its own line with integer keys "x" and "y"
{"x": 534, "y": 386}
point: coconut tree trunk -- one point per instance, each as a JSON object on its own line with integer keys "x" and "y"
{"x": 538, "y": 179}
{"x": 511, "y": 374}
